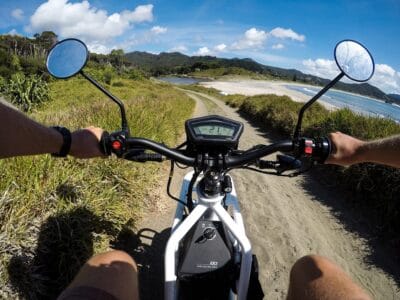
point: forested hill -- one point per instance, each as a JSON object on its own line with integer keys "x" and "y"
{"x": 24, "y": 54}
{"x": 177, "y": 63}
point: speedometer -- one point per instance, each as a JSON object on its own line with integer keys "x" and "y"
{"x": 213, "y": 131}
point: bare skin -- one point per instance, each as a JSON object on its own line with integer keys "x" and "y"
{"x": 114, "y": 273}
{"x": 23, "y": 136}
{"x": 316, "y": 277}
{"x": 349, "y": 150}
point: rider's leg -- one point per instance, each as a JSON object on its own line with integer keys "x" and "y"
{"x": 315, "y": 277}
{"x": 111, "y": 275}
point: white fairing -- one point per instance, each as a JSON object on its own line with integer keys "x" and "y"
{"x": 181, "y": 228}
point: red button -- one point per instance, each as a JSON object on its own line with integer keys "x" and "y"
{"x": 308, "y": 149}
{"x": 116, "y": 145}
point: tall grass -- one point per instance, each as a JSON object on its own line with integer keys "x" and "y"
{"x": 55, "y": 213}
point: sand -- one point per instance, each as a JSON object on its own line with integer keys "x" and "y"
{"x": 250, "y": 87}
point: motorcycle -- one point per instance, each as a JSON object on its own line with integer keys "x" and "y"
{"x": 208, "y": 255}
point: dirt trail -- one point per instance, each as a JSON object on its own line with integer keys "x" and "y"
{"x": 283, "y": 220}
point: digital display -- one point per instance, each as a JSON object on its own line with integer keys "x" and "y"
{"x": 213, "y": 133}
{"x": 214, "y": 130}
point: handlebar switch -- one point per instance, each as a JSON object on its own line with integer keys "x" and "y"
{"x": 117, "y": 143}
{"x": 319, "y": 148}
{"x": 308, "y": 147}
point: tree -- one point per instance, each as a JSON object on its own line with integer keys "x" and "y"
{"x": 45, "y": 40}
{"x": 117, "y": 57}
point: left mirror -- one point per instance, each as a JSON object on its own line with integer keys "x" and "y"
{"x": 67, "y": 58}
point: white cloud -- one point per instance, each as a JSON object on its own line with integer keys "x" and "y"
{"x": 385, "y": 77}
{"x": 180, "y": 48}
{"x": 99, "y": 48}
{"x": 158, "y": 30}
{"x": 283, "y": 33}
{"x": 384, "y": 70}
{"x": 18, "y": 14}
{"x": 278, "y": 46}
{"x": 202, "y": 51}
{"x": 253, "y": 38}
{"x": 81, "y": 20}
{"x": 220, "y": 48}
{"x": 13, "y": 32}
{"x": 324, "y": 68}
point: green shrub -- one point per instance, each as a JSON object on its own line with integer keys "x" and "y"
{"x": 135, "y": 74}
{"x": 2, "y": 84}
{"x": 27, "y": 92}
{"x": 118, "y": 84}
{"x": 108, "y": 75}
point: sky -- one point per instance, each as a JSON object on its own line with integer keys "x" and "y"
{"x": 290, "y": 34}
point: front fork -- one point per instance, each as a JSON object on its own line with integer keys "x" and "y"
{"x": 181, "y": 228}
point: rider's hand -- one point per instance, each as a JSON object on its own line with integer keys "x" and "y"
{"x": 85, "y": 143}
{"x": 345, "y": 149}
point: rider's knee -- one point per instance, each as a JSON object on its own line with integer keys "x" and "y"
{"x": 309, "y": 267}
{"x": 111, "y": 257}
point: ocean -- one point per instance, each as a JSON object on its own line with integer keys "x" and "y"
{"x": 357, "y": 103}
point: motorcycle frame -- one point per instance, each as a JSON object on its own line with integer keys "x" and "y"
{"x": 213, "y": 209}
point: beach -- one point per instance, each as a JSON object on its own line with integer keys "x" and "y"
{"x": 251, "y": 87}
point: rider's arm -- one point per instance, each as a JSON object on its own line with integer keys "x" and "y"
{"x": 20, "y": 135}
{"x": 349, "y": 150}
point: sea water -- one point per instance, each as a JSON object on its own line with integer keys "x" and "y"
{"x": 357, "y": 103}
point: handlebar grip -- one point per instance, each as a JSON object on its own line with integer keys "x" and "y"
{"x": 104, "y": 144}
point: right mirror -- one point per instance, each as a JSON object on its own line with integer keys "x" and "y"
{"x": 354, "y": 60}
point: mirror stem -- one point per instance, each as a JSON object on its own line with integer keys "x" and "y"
{"x": 310, "y": 102}
{"x": 124, "y": 122}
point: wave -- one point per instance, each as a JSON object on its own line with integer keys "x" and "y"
{"x": 309, "y": 91}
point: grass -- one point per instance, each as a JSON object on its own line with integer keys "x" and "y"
{"x": 56, "y": 213}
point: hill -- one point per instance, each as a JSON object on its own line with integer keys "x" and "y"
{"x": 178, "y": 63}
{"x": 394, "y": 98}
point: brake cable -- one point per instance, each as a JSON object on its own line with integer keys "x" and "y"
{"x": 171, "y": 174}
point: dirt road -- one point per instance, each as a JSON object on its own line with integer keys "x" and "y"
{"x": 285, "y": 218}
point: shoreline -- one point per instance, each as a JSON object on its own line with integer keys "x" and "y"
{"x": 252, "y": 87}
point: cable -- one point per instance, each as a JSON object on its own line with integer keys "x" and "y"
{"x": 171, "y": 174}
{"x": 190, "y": 191}
{"x": 180, "y": 166}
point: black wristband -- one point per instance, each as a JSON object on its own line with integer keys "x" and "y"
{"x": 66, "y": 146}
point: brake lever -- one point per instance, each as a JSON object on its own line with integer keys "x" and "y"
{"x": 286, "y": 163}
{"x": 134, "y": 152}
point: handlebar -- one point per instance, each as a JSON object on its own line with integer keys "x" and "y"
{"x": 236, "y": 161}
{"x": 161, "y": 149}
{"x": 319, "y": 149}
